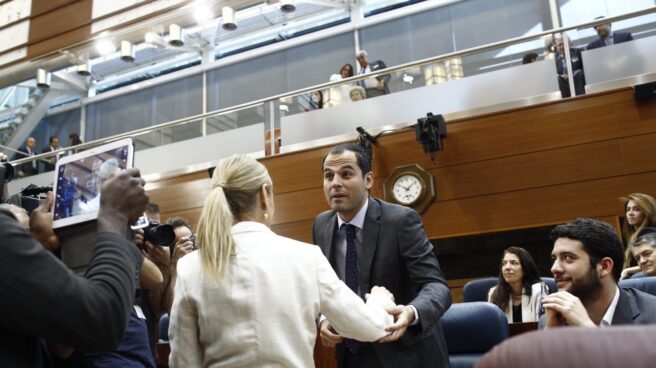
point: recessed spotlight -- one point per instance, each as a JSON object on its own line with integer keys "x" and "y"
{"x": 175, "y": 35}
{"x": 202, "y": 12}
{"x": 228, "y": 17}
{"x": 127, "y": 51}
{"x": 84, "y": 70}
{"x": 287, "y": 6}
{"x": 43, "y": 78}
{"x": 105, "y": 47}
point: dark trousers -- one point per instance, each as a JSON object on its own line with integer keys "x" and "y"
{"x": 365, "y": 357}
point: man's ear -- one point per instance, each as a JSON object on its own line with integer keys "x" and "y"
{"x": 605, "y": 266}
{"x": 369, "y": 180}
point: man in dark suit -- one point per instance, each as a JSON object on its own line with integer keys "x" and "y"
{"x": 588, "y": 258}
{"x": 607, "y": 37}
{"x": 53, "y": 145}
{"x": 28, "y": 168}
{"x": 376, "y": 86}
{"x": 564, "y": 73}
{"x": 370, "y": 242}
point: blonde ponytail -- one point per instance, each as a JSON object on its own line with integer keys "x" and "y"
{"x": 236, "y": 183}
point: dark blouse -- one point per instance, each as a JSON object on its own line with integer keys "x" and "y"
{"x": 517, "y": 313}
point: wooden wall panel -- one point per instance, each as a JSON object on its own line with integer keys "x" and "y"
{"x": 60, "y": 23}
{"x": 43, "y": 6}
{"x": 522, "y": 168}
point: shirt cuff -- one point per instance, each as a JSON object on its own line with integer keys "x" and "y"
{"x": 416, "y": 321}
{"x": 321, "y": 319}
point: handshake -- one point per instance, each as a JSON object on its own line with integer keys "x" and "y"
{"x": 404, "y": 316}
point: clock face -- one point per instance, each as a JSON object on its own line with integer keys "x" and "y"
{"x": 407, "y": 189}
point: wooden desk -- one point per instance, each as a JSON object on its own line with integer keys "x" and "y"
{"x": 520, "y": 328}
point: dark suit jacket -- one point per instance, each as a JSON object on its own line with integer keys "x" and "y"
{"x": 42, "y": 300}
{"x": 397, "y": 254}
{"x": 577, "y": 61}
{"x": 376, "y": 66}
{"x": 29, "y": 168}
{"x": 618, "y": 37}
{"x": 633, "y": 308}
{"x": 50, "y": 164}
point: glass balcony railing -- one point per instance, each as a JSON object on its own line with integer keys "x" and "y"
{"x": 487, "y": 78}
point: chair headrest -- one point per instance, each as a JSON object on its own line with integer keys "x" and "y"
{"x": 473, "y": 327}
{"x": 476, "y": 290}
{"x": 644, "y": 284}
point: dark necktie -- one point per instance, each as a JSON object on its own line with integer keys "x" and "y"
{"x": 351, "y": 274}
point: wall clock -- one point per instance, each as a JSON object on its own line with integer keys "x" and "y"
{"x": 410, "y": 186}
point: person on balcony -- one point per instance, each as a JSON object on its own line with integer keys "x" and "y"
{"x": 375, "y": 86}
{"x": 607, "y": 37}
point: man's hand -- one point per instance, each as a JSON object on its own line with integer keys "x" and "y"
{"x": 403, "y": 317}
{"x": 564, "y": 307}
{"x": 381, "y": 85}
{"x": 329, "y": 337}
{"x": 41, "y": 224}
{"x": 158, "y": 255}
{"x": 380, "y": 290}
{"x": 183, "y": 247}
{"x": 122, "y": 201}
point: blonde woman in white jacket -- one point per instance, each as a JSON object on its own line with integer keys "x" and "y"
{"x": 248, "y": 297}
{"x": 519, "y": 290}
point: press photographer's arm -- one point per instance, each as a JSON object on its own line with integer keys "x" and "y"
{"x": 43, "y": 299}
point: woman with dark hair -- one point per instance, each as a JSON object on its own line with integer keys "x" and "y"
{"x": 519, "y": 290}
{"x": 340, "y": 94}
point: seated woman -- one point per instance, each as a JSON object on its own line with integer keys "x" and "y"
{"x": 249, "y": 297}
{"x": 519, "y": 290}
{"x": 640, "y": 211}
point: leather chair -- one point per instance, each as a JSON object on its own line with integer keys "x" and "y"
{"x": 576, "y": 347}
{"x": 471, "y": 329}
{"x": 476, "y": 290}
{"x": 164, "y": 328}
{"x": 644, "y": 284}
{"x": 551, "y": 283}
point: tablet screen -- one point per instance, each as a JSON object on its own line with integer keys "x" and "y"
{"x": 80, "y": 177}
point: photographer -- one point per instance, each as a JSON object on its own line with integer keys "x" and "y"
{"x": 42, "y": 300}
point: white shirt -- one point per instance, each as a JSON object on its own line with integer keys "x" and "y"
{"x": 610, "y": 40}
{"x": 607, "y": 320}
{"x": 263, "y": 314}
{"x": 368, "y": 82}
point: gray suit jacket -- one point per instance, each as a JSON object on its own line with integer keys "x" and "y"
{"x": 633, "y": 308}
{"x": 397, "y": 254}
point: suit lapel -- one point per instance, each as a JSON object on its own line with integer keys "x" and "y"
{"x": 369, "y": 243}
{"x": 626, "y": 310}
{"x": 331, "y": 227}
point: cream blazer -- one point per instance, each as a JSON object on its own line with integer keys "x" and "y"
{"x": 264, "y": 316}
{"x": 530, "y": 304}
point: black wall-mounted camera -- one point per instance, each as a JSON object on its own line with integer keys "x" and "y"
{"x": 430, "y": 132}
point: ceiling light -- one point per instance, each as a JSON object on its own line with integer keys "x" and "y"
{"x": 202, "y": 13}
{"x": 154, "y": 39}
{"x": 105, "y": 47}
{"x": 43, "y": 78}
{"x": 84, "y": 70}
{"x": 127, "y": 51}
{"x": 228, "y": 16}
{"x": 175, "y": 35}
{"x": 287, "y": 6}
